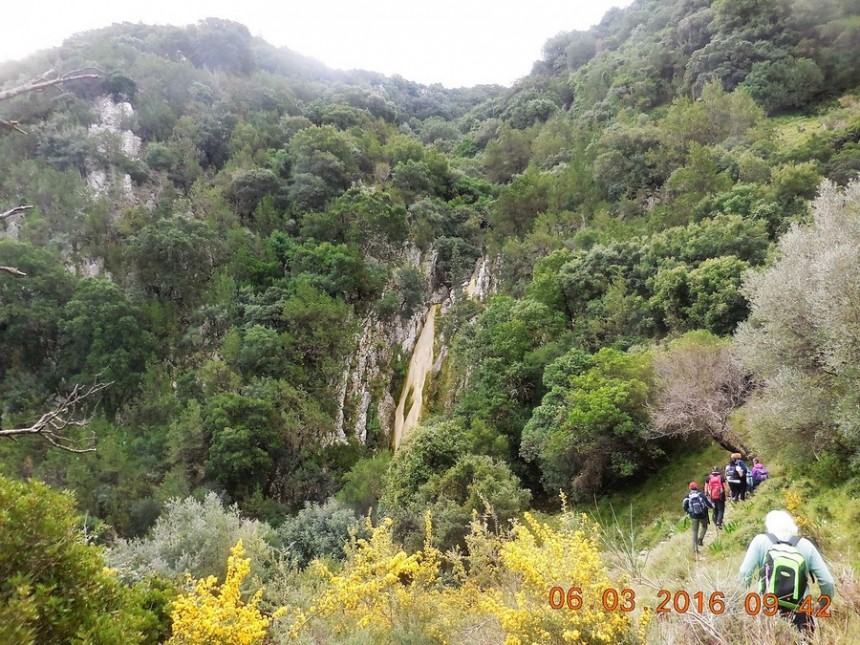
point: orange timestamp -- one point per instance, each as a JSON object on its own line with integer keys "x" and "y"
{"x": 681, "y": 601}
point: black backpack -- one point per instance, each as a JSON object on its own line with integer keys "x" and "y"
{"x": 732, "y": 473}
{"x": 696, "y": 505}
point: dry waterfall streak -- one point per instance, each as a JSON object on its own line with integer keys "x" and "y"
{"x": 413, "y": 390}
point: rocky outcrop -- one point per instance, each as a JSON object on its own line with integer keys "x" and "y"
{"x": 366, "y": 384}
{"x": 111, "y": 129}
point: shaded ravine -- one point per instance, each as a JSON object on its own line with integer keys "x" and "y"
{"x": 413, "y": 389}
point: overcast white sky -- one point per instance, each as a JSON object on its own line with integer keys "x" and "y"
{"x": 453, "y": 42}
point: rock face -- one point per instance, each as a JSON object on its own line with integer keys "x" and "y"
{"x": 113, "y": 118}
{"x": 411, "y": 402}
{"x": 112, "y": 132}
{"x": 366, "y": 383}
{"x": 113, "y": 135}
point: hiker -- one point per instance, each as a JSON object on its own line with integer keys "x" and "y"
{"x": 717, "y": 490}
{"x": 785, "y": 562}
{"x": 696, "y": 506}
{"x": 744, "y": 474}
{"x": 759, "y": 473}
{"x": 736, "y": 476}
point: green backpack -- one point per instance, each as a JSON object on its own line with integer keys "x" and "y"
{"x": 785, "y": 572}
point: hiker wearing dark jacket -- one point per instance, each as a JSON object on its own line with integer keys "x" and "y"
{"x": 736, "y": 475}
{"x": 696, "y": 506}
{"x": 782, "y": 532}
{"x": 717, "y": 490}
{"x": 745, "y": 473}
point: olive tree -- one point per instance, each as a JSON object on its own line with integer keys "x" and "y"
{"x": 802, "y": 339}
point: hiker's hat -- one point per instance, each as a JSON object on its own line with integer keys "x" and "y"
{"x": 781, "y": 524}
{"x": 694, "y": 486}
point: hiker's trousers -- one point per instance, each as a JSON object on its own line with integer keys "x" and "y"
{"x": 700, "y": 527}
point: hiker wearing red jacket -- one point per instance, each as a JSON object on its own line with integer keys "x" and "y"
{"x": 717, "y": 490}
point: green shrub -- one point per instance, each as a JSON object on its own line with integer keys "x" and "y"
{"x": 54, "y": 587}
{"x": 318, "y": 531}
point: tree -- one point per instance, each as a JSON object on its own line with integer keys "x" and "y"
{"x": 247, "y": 190}
{"x": 802, "y": 338}
{"x": 507, "y": 154}
{"x": 706, "y": 297}
{"x": 474, "y": 483}
{"x": 698, "y": 383}
{"x": 589, "y": 430}
{"x": 785, "y": 83}
{"x": 54, "y": 586}
{"x": 102, "y": 334}
{"x": 326, "y": 154}
{"x": 174, "y": 258}
{"x": 318, "y": 337}
{"x": 31, "y": 310}
{"x": 364, "y": 483}
{"x": 245, "y": 443}
{"x": 716, "y": 301}
{"x": 506, "y": 351}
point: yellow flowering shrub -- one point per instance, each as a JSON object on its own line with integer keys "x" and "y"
{"x": 498, "y": 591}
{"x": 793, "y": 502}
{"x": 380, "y": 588}
{"x": 208, "y": 615}
{"x": 542, "y": 558}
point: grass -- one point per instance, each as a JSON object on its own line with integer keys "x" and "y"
{"x": 654, "y": 508}
{"x": 792, "y": 131}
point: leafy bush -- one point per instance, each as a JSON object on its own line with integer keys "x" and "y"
{"x": 317, "y": 531}
{"x": 54, "y": 587}
{"x": 193, "y": 536}
{"x": 363, "y": 484}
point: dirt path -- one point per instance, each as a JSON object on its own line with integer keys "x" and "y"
{"x": 413, "y": 390}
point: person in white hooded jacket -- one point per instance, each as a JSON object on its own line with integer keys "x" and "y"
{"x": 781, "y": 529}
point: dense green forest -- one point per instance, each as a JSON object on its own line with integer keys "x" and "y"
{"x": 645, "y": 247}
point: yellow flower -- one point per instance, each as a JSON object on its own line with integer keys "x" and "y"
{"x": 208, "y": 614}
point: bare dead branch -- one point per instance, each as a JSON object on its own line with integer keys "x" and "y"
{"x": 13, "y": 125}
{"x": 49, "y": 79}
{"x": 12, "y": 270}
{"x": 17, "y": 210}
{"x": 52, "y": 424}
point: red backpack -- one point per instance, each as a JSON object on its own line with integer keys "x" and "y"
{"x": 715, "y": 487}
